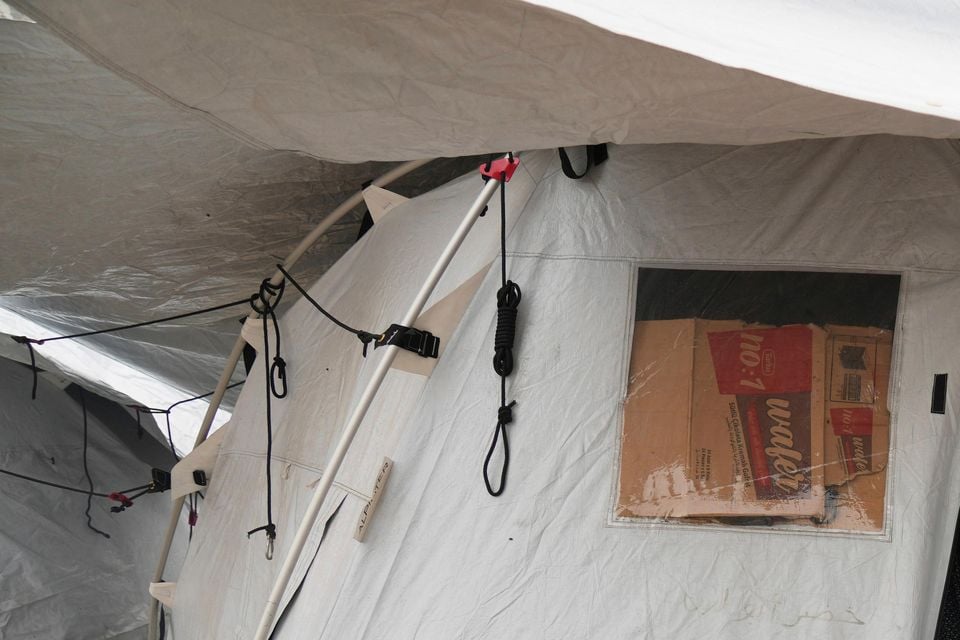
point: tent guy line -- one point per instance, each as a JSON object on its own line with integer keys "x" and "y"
{"x": 29, "y": 342}
{"x": 139, "y": 408}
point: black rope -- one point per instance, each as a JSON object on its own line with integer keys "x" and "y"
{"x": 53, "y": 484}
{"x": 180, "y": 316}
{"x": 33, "y": 362}
{"x": 508, "y": 300}
{"x": 191, "y": 516}
{"x": 67, "y": 487}
{"x": 264, "y": 303}
{"x": 365, "y": 337}
{"x": 84, "y": 334}
{"x": 166, "y": 412}
{"x": 86, "y": 469}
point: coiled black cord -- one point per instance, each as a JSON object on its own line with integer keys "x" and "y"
{"x": 508, "y": 301}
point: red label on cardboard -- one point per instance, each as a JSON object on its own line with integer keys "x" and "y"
{"x": 758, "y": 461}
{"x": 857, "y": 454}
{"x": 763, "y": 361}
{"x": 848, "y": 421}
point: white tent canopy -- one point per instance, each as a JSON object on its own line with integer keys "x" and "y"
{"x": 361, "y": 80}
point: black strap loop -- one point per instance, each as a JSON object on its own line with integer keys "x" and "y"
{"x": 421, "y": 342}
{"x": 596, "y": 155}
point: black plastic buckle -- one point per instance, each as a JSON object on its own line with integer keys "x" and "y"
{"x": 161, "y": 481}
{"x": 199, "y": 477}
{"x": 422, "y": 343}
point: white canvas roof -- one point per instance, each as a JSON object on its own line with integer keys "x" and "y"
{"x": 362, "y": 80}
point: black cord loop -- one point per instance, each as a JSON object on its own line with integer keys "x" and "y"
{"x": 508, "y": 301}
{"x": 505, "y": 415}
{"x": 265, "y": 303}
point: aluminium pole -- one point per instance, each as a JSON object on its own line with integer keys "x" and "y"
{"x": 343, "y": 209}
{"x": 369, "y": 393}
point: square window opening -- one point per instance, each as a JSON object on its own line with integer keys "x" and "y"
{"x": 758, "y": 399}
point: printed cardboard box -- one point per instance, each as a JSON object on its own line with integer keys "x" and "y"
{"x": 723, "y": 419}
{"x": 857, "y": 427}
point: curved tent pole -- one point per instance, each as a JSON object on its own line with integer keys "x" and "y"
{"x": 237, "y": 352}
{"x": 353, "y": 424}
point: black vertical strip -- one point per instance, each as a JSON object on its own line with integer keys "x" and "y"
{"x": 948, "y": 622}
{"x": 366, "y": 222}
{"x": 938, "y": 403}
{"x": 86, "y": 469}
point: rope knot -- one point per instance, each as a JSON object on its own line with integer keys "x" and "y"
{"x": 267, "y": 298}
{"x": 269, "y": 529}
{"x": 366, "y": 338}
{"x": 505, "y": 413}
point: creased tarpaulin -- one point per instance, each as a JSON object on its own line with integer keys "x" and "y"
{"x": 542, "y": 562}
{"x": 120, "y": 207}
{"x": 58, "y": 578}
{"x": 360, "y": 80}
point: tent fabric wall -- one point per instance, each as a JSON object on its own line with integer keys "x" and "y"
{"x": 361, "y": 80}
{"x": 443, "y": 559}
{"x": 58, "y": 578}
{"x": 368, "y": 288}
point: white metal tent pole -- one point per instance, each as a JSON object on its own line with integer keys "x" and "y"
{"x": 369, "y": 393}
{"x": 237, "y": 352}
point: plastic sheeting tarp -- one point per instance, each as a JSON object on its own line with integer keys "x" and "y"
{"x": 120, "y": 207}
{"x": 444, "y": 559}
{"x": 59, "y": 579}
{"x": 361, "y": 80}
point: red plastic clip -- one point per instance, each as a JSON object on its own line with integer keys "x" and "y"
{"x": 506, "y": 166}
{"x": 192, "y": 518}
{"x": 122, "y": 499}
